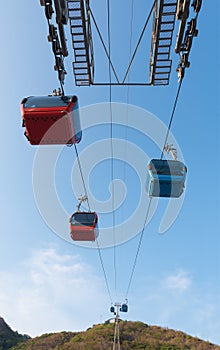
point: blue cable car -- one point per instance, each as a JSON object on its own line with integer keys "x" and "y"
{"x": 112, "y": 309}
{"x": 124, "y": 308}
{"x": 166, "y": 178}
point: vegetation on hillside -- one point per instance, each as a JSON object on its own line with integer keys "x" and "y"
{"x": 133, "y": 336}
{"x": 8, "y": 337}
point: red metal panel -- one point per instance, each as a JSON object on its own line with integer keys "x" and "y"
{"x": 83, "y": 233}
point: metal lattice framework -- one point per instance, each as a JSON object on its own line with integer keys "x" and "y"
{"x": 165, "y": 14}
{"x": 80, "y": 29}
{"x": 162, "y": 34}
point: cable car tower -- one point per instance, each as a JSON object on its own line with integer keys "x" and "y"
{"x": 115, "y": 309}
{"x": 116, "y": 343}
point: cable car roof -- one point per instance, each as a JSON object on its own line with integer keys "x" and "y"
{"x": 47, "y": 101}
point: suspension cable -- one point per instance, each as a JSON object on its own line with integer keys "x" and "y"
{"x": 103, "y": 269}
{"x": 171, "y": 118}
{"x": 127, "y": 75}
{"x": 139, "y": 41}
{"x": 112, "y": 153}
{"x": 81, "y": 173}
{"x": 130, "y": 44}
{"x": 131, "y": 36}
{"x": 138, "y": 248}
{"x": 103, "y": 44}
{"x": 127, "y": 97}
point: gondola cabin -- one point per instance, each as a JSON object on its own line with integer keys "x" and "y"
{"x": 50, "y": 120}
{"x": 124, "y": 308}
{"x": 166, "y": 178}
{"x": 112, "y": 309}
{"x": 84, "y": 226}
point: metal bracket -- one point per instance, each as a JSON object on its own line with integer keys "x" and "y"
{"x": 81, "y": 200}
{"x": 171, "y": 150}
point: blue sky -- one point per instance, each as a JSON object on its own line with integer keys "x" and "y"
{"x": 47, "y": 283}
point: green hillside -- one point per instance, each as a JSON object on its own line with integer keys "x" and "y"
{"x": 133, "y": 335}
{"x": 8, "y": 337}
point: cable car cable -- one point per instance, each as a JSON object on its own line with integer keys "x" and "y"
{"x": 139, "y": 41}
{"x": 138, "y": 248}
{"x": 102, "y": 41}
{"x": 82, "y": 177}
{"x": 128, "y": 91}
{"x": 171, "y": 118}
{"x": 104, "y": 272}
{"x": 148, "y": 208}
{"x": 112, "y": 153}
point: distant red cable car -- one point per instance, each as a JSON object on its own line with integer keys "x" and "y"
{"x": 50, "y": 120}
{"x": 84, "y": 226}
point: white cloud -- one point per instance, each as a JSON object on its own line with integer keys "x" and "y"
{"x": 181, "y": 302}
{"x": 179, "y": 281}
{"x": 51, "y": 292}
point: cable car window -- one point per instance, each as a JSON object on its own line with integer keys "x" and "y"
{"x": 47, "y": 101}
{"x": 86, "y": 219}
{"x": 76, "y": 118}
{"x": 168, "y": 170}
{"x": 162, "y": 167}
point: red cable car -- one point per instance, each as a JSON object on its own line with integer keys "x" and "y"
{"x": 50, "y": 120}
{"x": 84, "y": 226}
